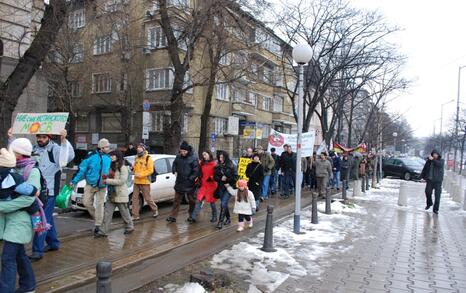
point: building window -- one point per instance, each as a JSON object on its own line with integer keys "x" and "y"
{"x": 76, "y": 89}
{"x": 222, "y": 92}
{"x": 111, "y": 122}
{"x": 239, "y": 95}
{"x": 265, "y": 130}
{"x": 278, "y": 104}
{"x": 188, "y": 82}
{"x": 157, "y": 121}
{"x": 101, "y": 83}
{"x": 77, "y": 18}
{"x": 159, "y": 79}
{"x": 266, "y": 103}
{"x": 102, "y": 45}
{"x": 220, "y": 125}
{"x": 82, "y": 123}
{"x": 176, "y": 3}
{"x": 123, "y": 86}
{"x": 55, "y": 57}
{"x": 268, "y": 75}
{"x": 156, "y": 38}
{"x": 251, "y": 98}
{"x": 78, "y": 53}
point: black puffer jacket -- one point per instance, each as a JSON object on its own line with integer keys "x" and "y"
{"x": 226, "y": 169}
{"x": 187, "y": 170}
{"x": 255, "y": 173}
{"x": 433, "y": 169}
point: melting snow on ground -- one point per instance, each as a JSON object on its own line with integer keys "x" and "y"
{"x": 186, "y": 288}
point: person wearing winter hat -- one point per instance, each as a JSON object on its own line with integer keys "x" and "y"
{"x": 245, "y": 203}
{"x": 432, "y": 173}
{"x": 95, "y": 169}
{"x": 143, "y": 168}
{"x": 186, "y": 168}
{"x": 52, "y": 157}
{"x": 15, "y": 226}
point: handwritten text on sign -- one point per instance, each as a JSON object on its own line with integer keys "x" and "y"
{"x": 40, "y": 123}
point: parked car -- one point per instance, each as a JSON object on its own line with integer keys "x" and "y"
{"x": 408, "y": 168}
{"x": 161, "y": 189}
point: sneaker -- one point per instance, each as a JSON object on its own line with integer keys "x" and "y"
{"x": 250, "y": 223}
{"x": 261, "y": 198}
{"x": 155, "y": 214}
{"x": 128, "y": 231}
{"x": 48, "y": 248}
{"x": 136, "y": 218}
{"x": 427, "y": 207}
{"x": 35, "y": 257}
{"x": 191, "y": 220}
{"x": 99, "y": 233}
{"x": 171, "y": 220}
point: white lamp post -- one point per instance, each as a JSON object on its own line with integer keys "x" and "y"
{"x": 302, "y": 54}
{"x": 394, "y": 140}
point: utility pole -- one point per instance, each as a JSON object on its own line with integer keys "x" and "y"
{"x": 457, "y": 117}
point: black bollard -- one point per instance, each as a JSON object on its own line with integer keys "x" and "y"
{"x": 314, "y": 217}
{"x": 104, "y": 272}
{"x": 268, "y": 235}
{"x": 363, "y": 184}
{"x": 343, "y": 190}
{"x": 328, "y": 202}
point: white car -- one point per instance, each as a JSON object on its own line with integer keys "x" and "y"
{"x": 161, "y": 190}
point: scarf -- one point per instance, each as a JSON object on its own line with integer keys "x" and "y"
{"x": 26, "y": 164}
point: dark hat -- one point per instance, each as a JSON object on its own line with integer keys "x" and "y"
{"x": 185, "y": 146}
{"x": 142, "y": 146}
{"x": 272, "y": 149}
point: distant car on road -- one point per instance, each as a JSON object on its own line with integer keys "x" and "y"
{"x": 161, "y": 189}
{"x": 408, "y": 168}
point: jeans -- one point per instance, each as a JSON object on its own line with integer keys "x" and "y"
{"x": 336, "y": 179}
{"x": 198, "y": 209}
{"x": 430, "y": 186}
{"x": 242, "y": 217}
{"x": 288, "y": 182}
{"x": 50, "y": 236}
{"x": 225, "y": 199}
{"x": 14, "y": 259}
{"x": 273, "y": 181}
{"x": 265, "y": 186}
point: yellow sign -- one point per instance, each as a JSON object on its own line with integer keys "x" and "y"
{"x": 249, "y": 133}
{"x": 242, "y": 165}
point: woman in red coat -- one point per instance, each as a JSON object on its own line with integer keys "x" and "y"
{"x": 208, "y": 186}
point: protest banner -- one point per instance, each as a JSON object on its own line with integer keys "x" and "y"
{"x": 242, "y": 165}
{"x": 39, "y": 123}
{"x": 278, "y": 139}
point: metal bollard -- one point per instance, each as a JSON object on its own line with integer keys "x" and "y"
{"x": 343, "y": 190}
{"x": 464, "y": 201}
{"x": 357, "y": 188}
{"x": 104, "y": 272}
{"x": 363, "y": 184}
{"x": 268, "y": 235}
{"x": 403, "y": 194}
{"x": 314, "y": 216}
{"x": 328, "y": 202}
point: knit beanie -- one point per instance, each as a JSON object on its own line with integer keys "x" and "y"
{"x": 7, "y": 158}
{"x": 22, "y": 146}
{"x": 143, "y": 146}
{"x": 185, "y": 146}
{"x": 103, "y": 143}
{"x": 242, "y": 183}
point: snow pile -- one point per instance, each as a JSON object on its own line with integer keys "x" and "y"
{"x": 296, "y": 254}
{"x": 186, "y": 288}
{"x": 338, "y": 208}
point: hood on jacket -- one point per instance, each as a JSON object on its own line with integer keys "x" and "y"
{"x": 434, "y": 151}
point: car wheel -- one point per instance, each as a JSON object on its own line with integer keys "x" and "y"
{"x": 407, "y": 176}
{"x": 141, "y": 202}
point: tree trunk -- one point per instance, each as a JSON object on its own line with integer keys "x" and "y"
{"x": 350, "y": 123}
{"x": 172, "y": 134}
{"x": 206, "y": 114}
{"x": 12, "y": 88}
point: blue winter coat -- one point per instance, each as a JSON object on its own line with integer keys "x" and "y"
{"x": 93, "y": 168}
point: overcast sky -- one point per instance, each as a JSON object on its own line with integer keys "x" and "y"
{"x": 434, "y": 39}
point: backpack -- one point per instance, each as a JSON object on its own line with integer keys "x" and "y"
{"x": 129, "y": 180}
{"x": 153, "y": 176}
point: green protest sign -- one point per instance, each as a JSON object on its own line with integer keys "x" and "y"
{"x": 40, "y": 123}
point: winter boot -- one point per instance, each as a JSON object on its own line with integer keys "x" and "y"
{"x": 227, "y": 215}
{"x": 250, "y": 223}
{"x": 220, "y": 219}
{"x": 214, "y": 216}
{"x": 240, "y": 227}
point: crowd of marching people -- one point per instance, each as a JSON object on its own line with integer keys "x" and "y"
{"x": 30, "y": 182}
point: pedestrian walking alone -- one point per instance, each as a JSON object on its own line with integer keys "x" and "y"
{"x": 432, "y": 173}
{"x": 323, "y": 173}
{"x": 118, "y": 194}
{"x": 186, "y": 168}
{"x": 16, "y": 196}
{"x": 225, "y": 173}
{"x": 245, "y": 203}
{"x": 255, "y": 173}
{"x": 208, "y": 186}
{"x": 345, "y": 167}
{"x": 94, "y": 169}
{"x": 288, "y": 168}
{"x": 143, "y": 169}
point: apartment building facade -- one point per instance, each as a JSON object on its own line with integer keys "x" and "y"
{"x": 121, "y": 76}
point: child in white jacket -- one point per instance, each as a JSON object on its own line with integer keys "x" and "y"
{"x": 244, "y": 203}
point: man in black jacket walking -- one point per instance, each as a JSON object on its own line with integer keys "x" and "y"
{"x": 432, "y": 173}
{"x": 186, "y": 168}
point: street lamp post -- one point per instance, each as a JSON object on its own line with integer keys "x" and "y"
{"x": 394, "y": 140}
{"x": 457, "y": 115}
{"x": 441, "y": 124}
{"x": 302, "y": 54}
